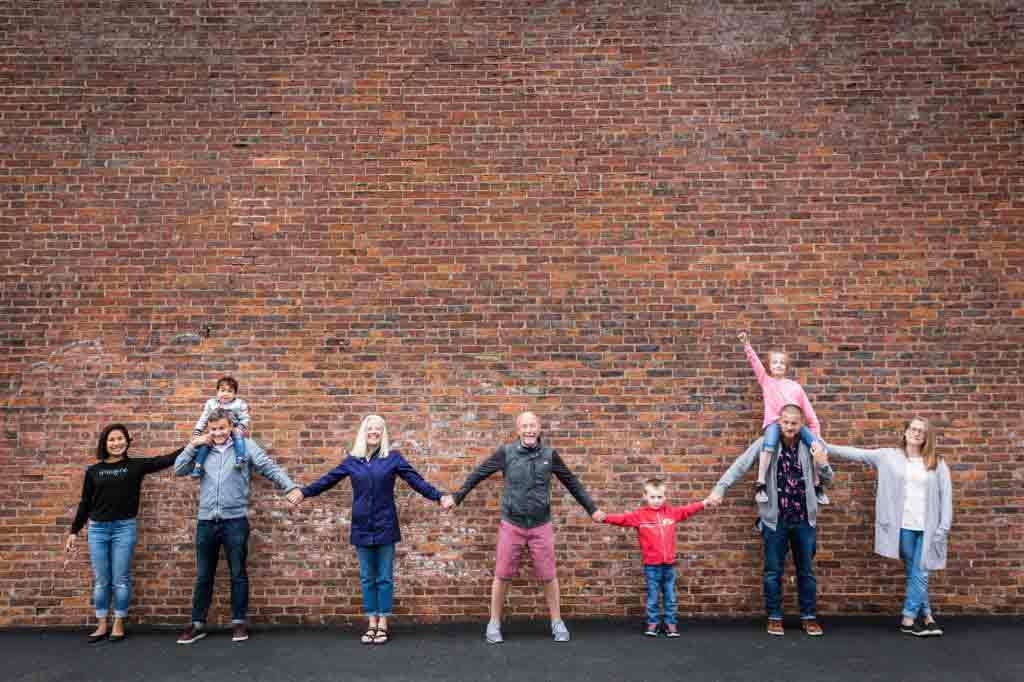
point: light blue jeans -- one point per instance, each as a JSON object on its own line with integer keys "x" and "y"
{"x": 111, "y": 546}
{"x": 377, "y": 576}
{"x": 661, "y": 582}
{"x": 916, "y": 602}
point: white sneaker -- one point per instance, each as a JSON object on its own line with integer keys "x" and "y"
{"x": 560, "y": 632}
{"x": 493, "y": 634}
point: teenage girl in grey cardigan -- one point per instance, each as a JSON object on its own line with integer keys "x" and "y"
{"x": 913, "y": 513}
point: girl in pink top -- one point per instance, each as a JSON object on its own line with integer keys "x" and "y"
{"x": 778, "y": 392}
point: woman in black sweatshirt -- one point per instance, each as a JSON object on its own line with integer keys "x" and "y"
{"x": 110, "y": 503}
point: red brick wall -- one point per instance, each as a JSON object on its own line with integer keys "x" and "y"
{"x": 446, "y": 212}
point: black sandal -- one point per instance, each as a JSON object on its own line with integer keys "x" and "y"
{"x": 369, "y": 636}
{"x": 381, "y": 637}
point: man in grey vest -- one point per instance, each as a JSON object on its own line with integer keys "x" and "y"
{"x": 527, "y": 466}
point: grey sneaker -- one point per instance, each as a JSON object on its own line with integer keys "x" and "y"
{"x": 560, "y": 632}
{"x": 493, "y": 635}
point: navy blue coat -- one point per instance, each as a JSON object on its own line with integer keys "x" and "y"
{"x": 374, "y": 515}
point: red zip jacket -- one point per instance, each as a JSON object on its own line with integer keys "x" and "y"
{"x": 657, "y": 529}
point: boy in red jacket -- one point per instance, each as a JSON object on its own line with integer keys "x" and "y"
{"x": 656, "y": 526}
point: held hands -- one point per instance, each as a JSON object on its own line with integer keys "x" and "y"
{"x": 819, "y": 453}
{"x": 598, "y": 516}
{"x": 69, "y": 545}
{"x": 295, "y": 496}
{"x": 447, "y": 502}
{"x": 712, "y": 500}
{"x": 744, "y": 339}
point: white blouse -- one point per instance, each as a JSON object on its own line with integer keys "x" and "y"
{"x": 914, "y": 494}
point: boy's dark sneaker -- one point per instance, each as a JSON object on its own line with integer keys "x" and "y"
{"x": 652, "y": 630}
{"x": 933, "y": 628}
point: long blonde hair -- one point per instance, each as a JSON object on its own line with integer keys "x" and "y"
{"x": 359, "y": 449}
{"x": 931, "y": 458}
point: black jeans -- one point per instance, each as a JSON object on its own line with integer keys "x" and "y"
{"x": 210, "y": 535}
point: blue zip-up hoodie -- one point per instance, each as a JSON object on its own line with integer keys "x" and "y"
{"x": 374, "y": 515}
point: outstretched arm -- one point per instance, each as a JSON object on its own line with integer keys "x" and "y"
{"x": 491, "y": 465}
{"x": 415, "y": 481}
{"x": 327, "y": 481}
{"x": 572, "y": 483}
{"x": 738, "y": 468}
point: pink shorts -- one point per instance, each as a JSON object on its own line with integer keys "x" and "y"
{"x": 541, "y": 543}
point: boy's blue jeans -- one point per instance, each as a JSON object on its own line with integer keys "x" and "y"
{"x": 773, "y": 434}
{"x": 803, "y": 538}
{"x": 237, "y": 441}
{"x": 376, "y": 574}
{"x": 916, "y": 602}
{"x": 661, "y": 582}
{"x": 210, "y": 535}
{"x": 111, "y": 546}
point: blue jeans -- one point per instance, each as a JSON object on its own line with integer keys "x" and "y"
{"x": 210, "y": 535}
{"x": 916, "y": 602}
{"x": 773, "y": 434}
{"x": 377, "y": 576}
{"x": 661, "y": 582}
{"x": 803, "y": 538}
{"x": 237, "y": 441}
{"x": 111, "y": 546}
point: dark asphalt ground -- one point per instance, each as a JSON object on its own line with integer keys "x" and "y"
{"x": 989, "y": 649}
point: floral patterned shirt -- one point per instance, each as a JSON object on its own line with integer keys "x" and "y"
{"x": 791, "y": 486}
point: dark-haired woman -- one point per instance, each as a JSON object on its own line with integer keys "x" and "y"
{"x": 913, "y": 514}
{"x": 110, "y": 503}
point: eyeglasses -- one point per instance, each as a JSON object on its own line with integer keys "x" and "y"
{"x": 916, "y": 429}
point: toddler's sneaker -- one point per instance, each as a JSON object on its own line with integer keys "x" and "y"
{"x": 197, "y": 471}
{"x": 819, "y": 493}
{"x": 761, "y": 494}
{"x": 239, "y": 462}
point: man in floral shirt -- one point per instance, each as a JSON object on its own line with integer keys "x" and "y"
{"x": 788, "y": 519}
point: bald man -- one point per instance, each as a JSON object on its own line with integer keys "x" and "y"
{"x": 527, "y": 466}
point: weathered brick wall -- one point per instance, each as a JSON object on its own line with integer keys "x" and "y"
{"x": 446, "y": 212}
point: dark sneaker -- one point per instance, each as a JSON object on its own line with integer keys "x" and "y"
{"x": 651, "y": 630}
{"x": 821, "y": 496}
{"x": 191, "y": 634}
{"x": 671, "y": 630}
{"x": 239, "y": 632}
{"x": 917, "y": 629}
{"x": 239, "y": 463}
{"x": 812, "y": 627}
{"x": 775, "y": 627}
{"x": 761, "y": 494}
{"x": 933, "y": 628}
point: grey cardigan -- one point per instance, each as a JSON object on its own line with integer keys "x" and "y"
{"x": 891, "y": 464}
{"x": 769, "y": 511}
